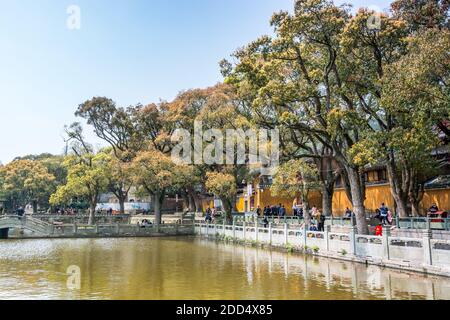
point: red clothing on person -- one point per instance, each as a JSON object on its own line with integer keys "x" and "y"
{"x": 379, "y": 231}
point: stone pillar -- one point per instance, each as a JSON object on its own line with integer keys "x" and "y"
{"x": 305, "y": 235}
{"x": 286, "y": 233}
{"x": 385, "y": 242}
{"x": 427, "y": 256}
{"x": 326, "y": 235}
{"x": 75, "y": 228}
{"x": 118, "y": 229}
{"x": 96, "y": 228}
{"x": 270, "y": 233}
{"x": 207, "y": 229}
{"x": 256, "y": 230}
{"x": 352, "y": 240}
{"x": 234, "y": 229}
{"x": 244, "y": 232}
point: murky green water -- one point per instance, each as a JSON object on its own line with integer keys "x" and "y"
{"x": 194, "y": 269}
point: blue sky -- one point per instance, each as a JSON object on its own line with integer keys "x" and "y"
{"x": 129, "y": 50}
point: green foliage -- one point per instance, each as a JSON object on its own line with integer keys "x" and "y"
{"x": 295, "y": 177}
{"x": 290, "y": 248}
{"x": 26, "y": 181}
{"x": 87, "y": 177}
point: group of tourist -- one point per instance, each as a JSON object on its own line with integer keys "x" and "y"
{"x": 145, "y": 223}
{"x": 280, "y": 212}
{"x": 210, "y": 214}
{"x": 69, "y": 211}
{"x": 272, "y": 211}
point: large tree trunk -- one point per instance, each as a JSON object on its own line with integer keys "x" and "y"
{"x": 306, "y": 213}
{"x": 92, "y": 213}
{"x": 327, "y": 202}
{"x": 346, "y": 183}
{"x": 157, "y": 204}
{"x": 415, "y": 206}
{"x": 398, "y": 194}
{"x": 122, "y": 206}
{"x": 194, "y": 200}
{"x": 357, "y": 200}
{"x": 35, "y": 206}
{"x": 328, "y": 180}
{"x": 122, "y": 197}
{"x": 228, "y": 206}
{"x": 187, "y": 202}
{"x": 415, "y": 194}
{"x": 192, "y": 206}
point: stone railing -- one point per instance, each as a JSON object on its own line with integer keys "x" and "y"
{"x": 416, "y": 254}
{"x": 30, "y": 229}
{"x": 119, "y": 230}
{"x": 81, "y": 218}
{"x": 412, "y": 223}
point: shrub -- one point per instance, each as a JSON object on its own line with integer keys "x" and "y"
{"x": 290, "y": 248}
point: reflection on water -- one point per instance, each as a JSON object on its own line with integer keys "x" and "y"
{"x": 194, "y": 269}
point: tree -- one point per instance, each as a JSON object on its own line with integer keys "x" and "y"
{"x": 398, "y": 134}
{"x": 120, "y": 178}
{"x": 158, "y": 175}
{"x": 116, "y": 126}
{"x": 26, "y": 181}
{"x": 421, "y": 14}
{"x": 298, "y": 79}
{"x": 297, "y": 177}
{"x": 416, "y": 92}
{"x": 87, "y": 177}
{"x": 87, "y": 172}
{"x": 217, "y": 109}
{"x": 182, "y": 113}
{"x": 224, "y": 186}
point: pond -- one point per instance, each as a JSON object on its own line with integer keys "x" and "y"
{"x": 193, "y": 269}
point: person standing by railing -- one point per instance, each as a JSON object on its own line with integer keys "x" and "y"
{"x": 266, "y": 211}
{"x": 314, "y": 212}
{"x": 390, "y": 217}
{"x": 265, "y": 222}
{"x": 258, "y": 211}
{"x": 433, "y": 209}
{"x": 282, "y": 211}
{"x": 379, "y": 230}
{"x": 320, "y": 221}
{"x": 20, "y": 212}
{"x": 208, "y": 217}
{"x": 384, "y": 213}
{"x": 348, "y": 213}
